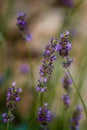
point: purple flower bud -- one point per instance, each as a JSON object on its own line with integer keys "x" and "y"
{"x": 66, "y": 100}
{"x": 64, "y": 45}
{"x": 19, "y": 90}
{"x": 22, "y": 25}
{"x": 77, "y": 115}
{"x": 13, "y": 84}
{"x": 17, "y": 99}
{"x": 27, "y": 37}
{"x": 69, "y": 46}
{"x": 12, "y": 98}
{"x": 4, "y": 114}
{"x": 66, "y": 82}
{"x": 44, "y": 115}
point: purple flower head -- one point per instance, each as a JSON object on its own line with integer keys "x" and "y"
{"x": 66, "y": 82}
{"x": 23, "y": 27}
{"x": 13, "y": 96}
{"x": 27, "y": 37}
{"x": 46, "y": 68}
{"x": 64, "y": 45}
{"x": 77, "y": 115}
{"x": 66, "y": 100}
{"x": 24, "y": 68}
{"x": 41, "y": 87}
{"x": 11, "y": 100}
{"x": 7, "y": 117}
{"x": 44, "y": 115}
{"x": 21, "y": 22}
{"x": 67, "y": 62}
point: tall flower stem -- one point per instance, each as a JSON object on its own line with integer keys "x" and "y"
{"x": 7, "y": 126}
{"x": 77, "y": 90}
{"x": 41, "y": 98}
{"x": 30, "y": 63}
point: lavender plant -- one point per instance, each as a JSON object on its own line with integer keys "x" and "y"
{"x": 46, "y": 70}
{"x": 64, "y": 48}
{"x": 11, "y": 100}
{"x": 77, "y": 115}
{"x": 44, "y": 115}
{"x": 66, "y": 85}
{"x": 23, "y": 27}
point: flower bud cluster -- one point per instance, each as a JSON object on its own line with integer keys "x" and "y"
{"x": 77, "y": 115}
{"x": 44, "y": 115}
{"x": 11, "y": 100}
{"x": 22, "y": 25}
{"x": 46, "y": 68}
{"x": 64, "y": 45}
{"x": 66, "y": 85}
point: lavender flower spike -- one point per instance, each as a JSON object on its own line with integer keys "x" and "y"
{"x": 77, "y": 115}
{"x": 46, "y": 68}
{"x": 44, "y": 115}
{"x": 12, "y": 98}
{"x": 66, "y": 82}
{"x": 22, "y": 25}
{"x": 64, "y": 45}
{"x": 66, "y": 100}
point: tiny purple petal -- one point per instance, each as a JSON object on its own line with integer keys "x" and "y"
{"x": 17, "y": 99}
{"x": 5, "y": 120}
{"x": 45, "y": 80}
{"x": 13, "y": 84}
{"x": 27, "y": 37}
{"x": 58, "y": 48}
{"x": 67, "y": 32}
{"x": 19, "y": 90}
{"x": 4, "y": 115}
{"x": 43, "y": 89}
{"x": 45, "y": 104}
{"x": 62, "y": 35}
{"x": 69, "y": 46}
{"x": 37, "y": 88}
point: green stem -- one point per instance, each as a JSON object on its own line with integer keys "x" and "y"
{"x": 41, "y": 99}
{"x": 30, "y": 63}
{"x": 77, "y": 90}
{"x": 7, "y": 126}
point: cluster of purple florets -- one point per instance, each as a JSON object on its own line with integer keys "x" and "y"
{"x": 66, "y": 100}
{"x": 63, "y": 48}
{"x": 8, "y": 117}
{"x": 46, "y": 68}
{"x": 12, "y": 98}
{"x": 64, "y": 45}
{"x": 44, "y": 115}
{"x": 66, "y": 85}
{"x": 77, "y": 115}
{"x": 22, "y": 25}
{"x": 66, "y": 82}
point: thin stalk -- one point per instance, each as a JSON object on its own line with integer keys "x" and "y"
{"x": 7, "y": 126}
{"x": 30, "y": 63}
{"x": 41, "y": 98}
{"x": 77, "y": 90}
